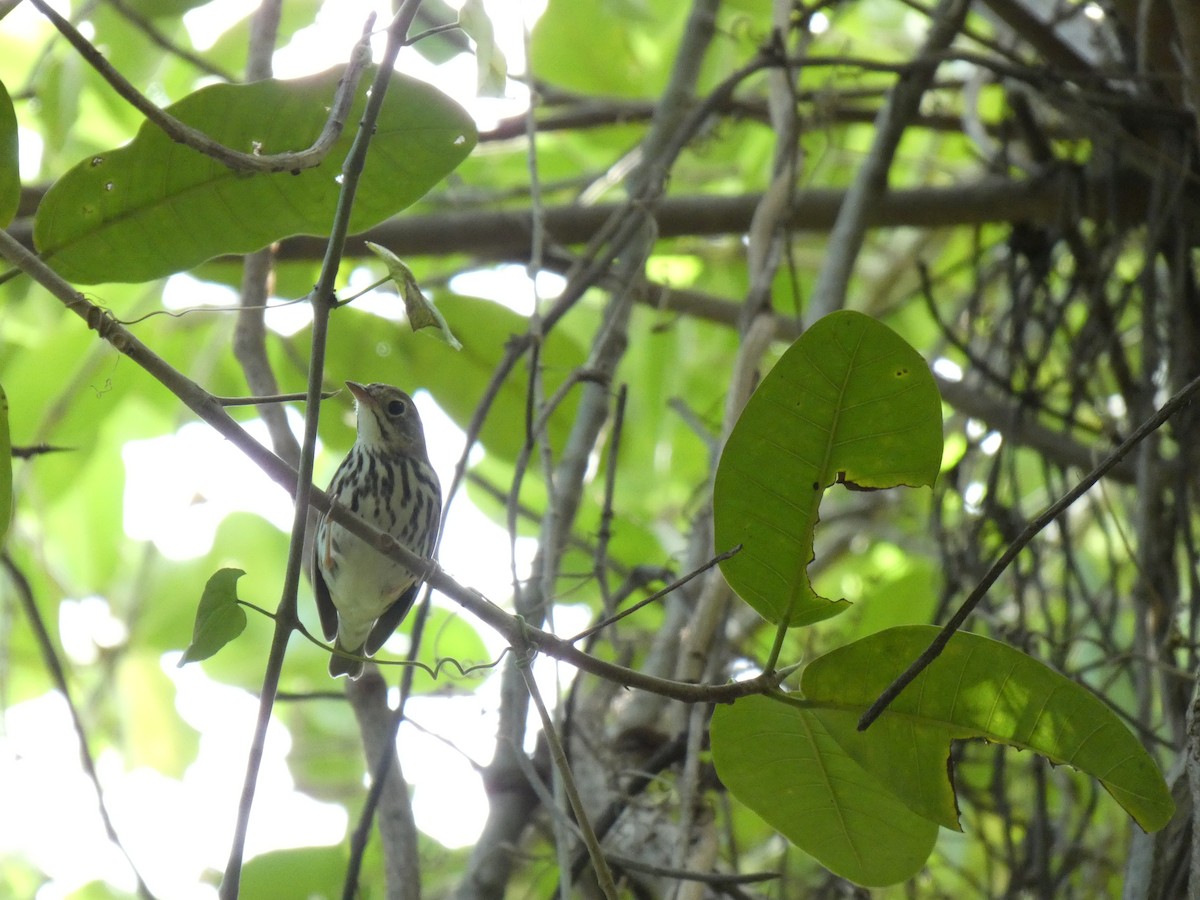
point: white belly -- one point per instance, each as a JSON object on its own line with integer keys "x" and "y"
{"x": 367, "y": 584}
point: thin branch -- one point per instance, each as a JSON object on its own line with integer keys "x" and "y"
{"x": 271, "y": 399}
{"x": 387, "y": 786}
{"x": 250, "y": 333}
{"x": 846, "y": 239}
{"x": 1180, "y": 399}
{"x": 37, "y": 450}
{"x": 289, "y": 161}
{"x": 604, "y": 533}
{"x": 148, "y": 28}
{"x": 286, "y": 617}
{"x": 558, "y": 754}
{"x": 1119, "y": 200}
{"x": 656, "y": 596}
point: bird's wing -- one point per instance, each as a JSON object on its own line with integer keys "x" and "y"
{"x": 390, "y": 620}
{"x": 325, "y": 607}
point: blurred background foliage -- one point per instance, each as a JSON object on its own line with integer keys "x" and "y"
{"x": 1042, "y": 262}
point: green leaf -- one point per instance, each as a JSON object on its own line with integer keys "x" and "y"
{"x": 606, "y": 47}
{"x": 155, "y": 207}
{"x": 276, "y": 875}
{"x": 848, "y": 402}
{"x": 976, "y": 688}
{"x": 158, "y": 9}
{"x": 420, "y": 309}
{"x": 10, "y": 172}
{"x": 219, "y": 619}
{"x": 781, "y": 762}
{"x": 6, "y": 504}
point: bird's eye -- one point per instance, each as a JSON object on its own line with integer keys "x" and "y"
{"x": 396, "y": 408}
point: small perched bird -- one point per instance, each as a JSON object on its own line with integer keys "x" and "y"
{"x": 362, "y": 596}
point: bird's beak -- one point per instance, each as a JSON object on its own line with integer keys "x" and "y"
{"x": 360, "y": 392}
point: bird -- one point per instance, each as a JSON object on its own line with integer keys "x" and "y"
{"x": 386, "y": 478}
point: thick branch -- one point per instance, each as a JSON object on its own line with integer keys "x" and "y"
{"x": 1063, "y": 195}
{"x": 506, "y": 234}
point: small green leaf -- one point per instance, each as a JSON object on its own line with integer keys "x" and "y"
{"x": 420, "y": 309}
{"x": 10, "y": 173}
{"x": 850, "y": 402}
{"x": 6, "y": 504}
{"x": 976, "y": 688}
{"x": 219, "y": 619}
{"x": 781, "y": 762}
{"x": 155, "y": 207}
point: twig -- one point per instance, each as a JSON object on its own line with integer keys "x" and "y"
{"x": 37, "y": 450}
{"x": 1052, "y": 512}
{"x": 269, "y": 399}
{"x": 657, "y": 595}
{"x": 558, "y": 754}
{"x": 604, "y": 533}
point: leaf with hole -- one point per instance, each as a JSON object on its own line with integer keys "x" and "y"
{"x": 850, "y": 402}
{"x": 976, "y": 688}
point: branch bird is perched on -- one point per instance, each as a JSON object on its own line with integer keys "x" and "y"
{"x": 362, "y": 596}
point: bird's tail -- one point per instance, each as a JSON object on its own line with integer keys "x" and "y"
{"x": 344, "y": 665}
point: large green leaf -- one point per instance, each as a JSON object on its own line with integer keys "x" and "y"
{"x": 10, "y": 173}
{"x": 849, "y": 402}
{"x": 977, "y": 688}
{"x": 782, "y": 763}
{"x": 155, "y": 207}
